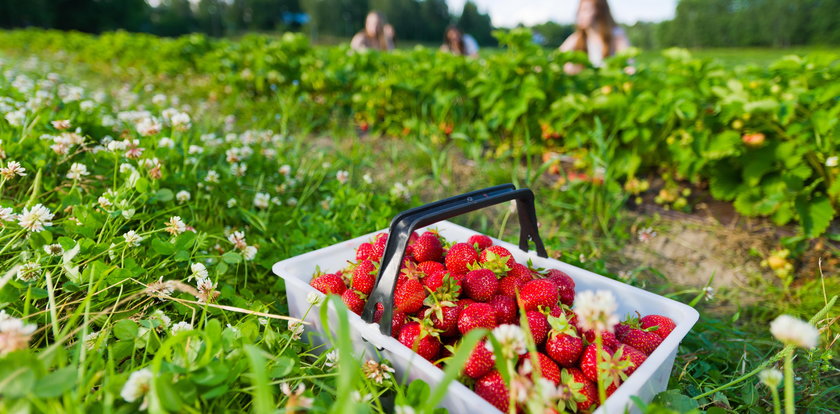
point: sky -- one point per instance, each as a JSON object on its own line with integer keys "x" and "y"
{"x": 509, "y": 13}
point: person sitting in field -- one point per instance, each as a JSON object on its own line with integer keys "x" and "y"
{"x": 596, "y": 33}
{"x": 376, "y": 35}
{"x": 459, "y": 43}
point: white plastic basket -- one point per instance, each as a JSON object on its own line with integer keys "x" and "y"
{"x": 648, "y": 379}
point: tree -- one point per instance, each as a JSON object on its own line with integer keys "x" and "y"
{"x": 476, "y": 24}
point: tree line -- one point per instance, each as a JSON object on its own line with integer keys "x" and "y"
{"x": 414, "y": 20}
{"x": 697, "y": 23}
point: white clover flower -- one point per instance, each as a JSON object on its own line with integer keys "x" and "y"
{"x": 77, "y": 171}
{"x": 367, "y": 178}
{"x": 359, "y": 398}
{"x": 331, "y": 359}
{"x": 61, "y": 124}
{"x": 238, "y": 169}
{"x": 182, "y": 326}
{"x": 292, "y": 201}
{"x": 132, "y": 238}
{"x": 403, "y": 409}
{"x": 792, "y": 331}
{"x": 137, "y": 386}
{"x": 400, "y": 190}
{"x": 36, "y": 218}
{"x": 596, "y": 310}
{"x": 831, "y": 161}
{"x": 285, "y": 170}
{"x": 314, "y": 298}
{"x": 342, "y": 176}
{"x": 166, "y": 142}
{"x": 771, "y": 377}
{"x": 87, "y": 105}
{"x": 262, "y": 200}
{"x": 159, "y": 99}
{"x": 231, "y": 203}
{"x": 90, "y": 340}
{"x": 175, "y": 226}
{"x": 249, "y": 253}
{"x": 183, "y": 196}
{"x": 28, "y": 272}
{"x": 296, "y": 400}
{"x": 212, "y": 177}
{"x": 128, "y": 213}
{"x": 195, "y": 149}
{"x": 16, "y": 118}
{"x": 148, "y": 126}
{"x": 511, "y": 338}
{"x": 14, "y": 333}
{"x": 11, "y": 170}
{"x": 54, "y": 249}
{"x": 377, "y": 372}
{"x": 237, "y": 238}
{"x": 6, "y": 214}
{"x": 709, "y": 293}
{"x": 180, "y": 121}
{"x": 104, "y": 202}
{"x": 127, "y": 168}
{"x": 206, "y": 289}
{"x": 296, "y": 329}
{"x": 199, "y": 271}
{"x": 161, "y": 317}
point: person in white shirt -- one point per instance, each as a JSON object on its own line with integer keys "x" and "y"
{"x": 596, "y": 33}
{"x": 459, "y": 43}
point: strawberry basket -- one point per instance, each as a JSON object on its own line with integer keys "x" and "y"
{"x": 372, "y": 339}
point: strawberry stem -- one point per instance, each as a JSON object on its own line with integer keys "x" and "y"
{"x": 599, "y": 347}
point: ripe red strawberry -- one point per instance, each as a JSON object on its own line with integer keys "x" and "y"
{"x": 480, "y": 284}
{"x": 439, "y": 278}
{"x": 492, "y": 388}
{"x": 564, "y": 310}
{"x": 397, "y": 321}
{"x": 564, "y": 345}
{"x": 636, "y": 357}
{"x": 463, "y": 303}
{"x": 430, "y": 267}
{"x": 481, "y": 240}
{"x": 642, "y": 340}
{"x": 538, "y": 325}
{"x": 536, "y": 293}
{"x": 444, "y": 318}
{"x": 565, "y": 286}
{"x": 480, "y": 362}
{"x": 589, "y": 391}
{"x": 460, "y": 256}
{"x": 354, "y": 300}
{"x": 607, "y": 338}
{"x": 427, "y": 248}
{"x": 621, "y": 329}
{"x": 476, "y": 315}
{"x": 499, "y": 251}
{"x": 587, "y": 361}
{"x": 364, "y": 252}
{"x": 364, "y": 276}
{"x": 420, "y": 340}
{"x": 665, "y": 324}
{"x": 505, "y": 308}
{"x": 510, "y": 285}
{"x": 329, "y": 283}
{"x": 548, "y": 369}
{"x": 409, "y": 296}
{"x": 379, "y": 242}
{"x": 520, "y": 271}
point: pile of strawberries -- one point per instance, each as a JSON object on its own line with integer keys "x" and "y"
{"x": 444, "y": 291}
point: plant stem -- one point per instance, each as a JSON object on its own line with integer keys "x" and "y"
{"x": 602, "y": 391}
{"x": 789, "y": 383}
{"x": 777, "y": 406}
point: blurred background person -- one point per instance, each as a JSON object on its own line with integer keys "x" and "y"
{"x": 459, "y": 43}
{"x": 596, "y": 34}
{"x": 376, "y": 34}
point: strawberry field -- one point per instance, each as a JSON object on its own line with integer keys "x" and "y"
{"x": 148, "y": 185}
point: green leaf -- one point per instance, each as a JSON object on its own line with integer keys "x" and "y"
{"x": 674, "y": 400}
{"x": 282, "y": 366}
{"x": 212, "y": 374}
{"x": 722, "y": 145}
{"x": 163, "y": 195}
{"x": 162, "y": 247}
{"x": 56, "y": 383}
{"x": 125, "y": 330}
{"x": 166, "y": 393}
{"x": 17, "y": 378}
{"x": 814, "y": 215}
{"x": 232, "y": 257}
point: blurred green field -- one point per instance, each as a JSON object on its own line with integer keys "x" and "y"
{"x": 760, "y": 56}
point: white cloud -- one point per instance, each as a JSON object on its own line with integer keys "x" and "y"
{"x": 508, "y": 13}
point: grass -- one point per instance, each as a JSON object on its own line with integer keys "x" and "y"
{"x": 101, "y": 317}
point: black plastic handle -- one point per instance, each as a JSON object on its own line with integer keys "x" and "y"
{"x": 407, "y": 222}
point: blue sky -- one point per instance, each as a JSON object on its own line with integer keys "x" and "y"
{"x": 507, "y": 13}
